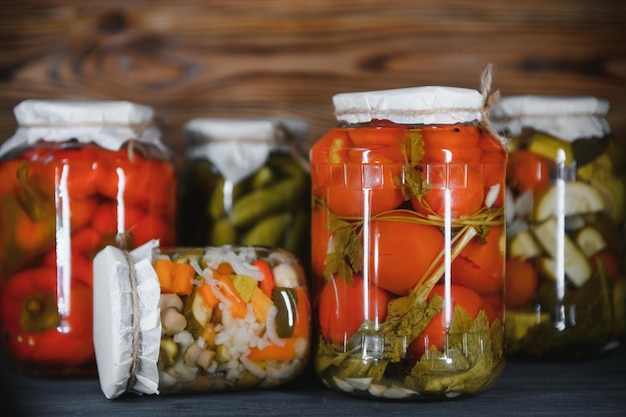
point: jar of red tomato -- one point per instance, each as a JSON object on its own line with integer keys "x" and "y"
{"x": 77, "y": 175}
{"x": 246, "y": 182}
{"x": 566, "y": 191}
{"x": 408, "y": 245}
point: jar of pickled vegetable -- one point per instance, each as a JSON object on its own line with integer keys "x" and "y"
{"x": 246, "y": 182}
{"x": 76, "y": 176}
{"x": 408, "y": 245}
{"x": 566, "y": 192}
{"x": 199, "y": 319}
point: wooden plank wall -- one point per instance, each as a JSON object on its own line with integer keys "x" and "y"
{"x": 247, "y": 58}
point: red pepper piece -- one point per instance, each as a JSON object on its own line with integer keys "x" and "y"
{"x": 29, "y": 320}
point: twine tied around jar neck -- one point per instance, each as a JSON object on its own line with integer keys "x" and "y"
{"x": 490, "y": 98}
{"x": 135, "y": 322}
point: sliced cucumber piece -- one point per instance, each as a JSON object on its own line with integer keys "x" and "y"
{"x": 575, "y": 263}
{"x": 590, "y": 241}
{"x": 578, "y": 198}
{"x": 524, "y": 246}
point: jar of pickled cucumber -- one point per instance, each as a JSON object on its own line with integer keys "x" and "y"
{"x": 76, "y": 176}
{"x": 246, "y": 182}
{"x": 184, "y": 320}
{"x": 408, "y": 245}
{"x": 566, "y": 192}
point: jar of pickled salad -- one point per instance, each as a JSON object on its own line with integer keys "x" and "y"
{"x": 76, "y": 176}
{"x": 187, "y": 320}
{"x": 246, "y": 182}
{"x": 566, "y": 192}
{"x": 408, "y": 245}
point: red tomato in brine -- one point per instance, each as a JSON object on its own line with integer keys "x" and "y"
{"x": 342, "y": 307}
{"x": 401, "y": 252}
{"x": 435, "y": 331}
{"x": 363, "y": 190}
{"x": 480, "y": 265}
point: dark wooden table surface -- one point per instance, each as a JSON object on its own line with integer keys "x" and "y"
{"x": 592, "y": 388}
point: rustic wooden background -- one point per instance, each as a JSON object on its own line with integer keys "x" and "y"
{"x": 289, "y": 57}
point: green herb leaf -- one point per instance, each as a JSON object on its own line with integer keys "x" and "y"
{"x": 412, "y": 183}
{"x": 347, "y": 256}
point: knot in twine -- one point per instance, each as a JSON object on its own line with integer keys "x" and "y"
{"x": 490, "y": 98}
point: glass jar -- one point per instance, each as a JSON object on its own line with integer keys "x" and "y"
{"x": 77, "y": 175}
{"x": 566, "y": 191}
{"x": 408, "y": 245}
{"x": 246, "y": 182}
{"x": 199, "y": 319}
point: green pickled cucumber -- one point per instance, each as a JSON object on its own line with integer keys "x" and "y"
{"x": 286, "y": 165}
{"x": 254, "y": 206}
{"x": 225, "y": 194}
{"x": 223, "y": 233}
{"x": 193, "y": 326}
{"x": 286, "y": 301}
{"x": 299, "y": 233}
{"x": 269, "y": 231}
{"x": 215, "y": 205}
{"x": 263, "y": 177}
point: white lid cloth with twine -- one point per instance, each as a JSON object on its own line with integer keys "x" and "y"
{"x": 237, "y": 147}
{"x": 107, "y": 123}
{"x": 126, "y": 320}
{"x": 428, "y": 105}
{"x": 566, "y": 118}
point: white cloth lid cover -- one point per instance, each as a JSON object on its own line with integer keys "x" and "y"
{"x": 567, "y": 118}
{"x": 415, "y": 105}
{"x": 237, "y": 147}
{"x": 108, "y": 123}
{"x": 113, "y": 324}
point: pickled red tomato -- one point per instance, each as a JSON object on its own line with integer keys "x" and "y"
{"x": 458, "y": 188}
{"x": 527, "y": 171}
{"x": 451, "y": 143}
{"x": 320, "y": 237}
{"x": 452, "y": 168}
{"x": 357, "y": 180}
{"x": 401, "y": 251}
{"x": 435, "y": 331}
{"x": 479, "y": 266}
{"x": 521, "y": 283}
{"x": 384, "y": 141}
{"x": 342, "y": 307}
{"x": 358, "y": 191}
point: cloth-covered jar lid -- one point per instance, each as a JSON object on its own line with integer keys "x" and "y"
{"x": 567, "y": 118}
{"x": 107, "y": 123}
{"x": 127, "y": 324}
{"x": 238, "y": 147}
{"x": 415, "y": 105}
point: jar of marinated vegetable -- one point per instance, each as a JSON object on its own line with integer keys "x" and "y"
{"x": 566, "y": 191}
{"x": 76, "y": 176}
{"x": 408, "y": 245}
{"x": 199, "y": 319}
{"x": 246, "y": 182}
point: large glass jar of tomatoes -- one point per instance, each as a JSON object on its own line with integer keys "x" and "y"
{"x": 566, "y": 191}
{"x": 246, "y": 182}
{"x": 76, "y": 176}
{"x": 408, "y": 245}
